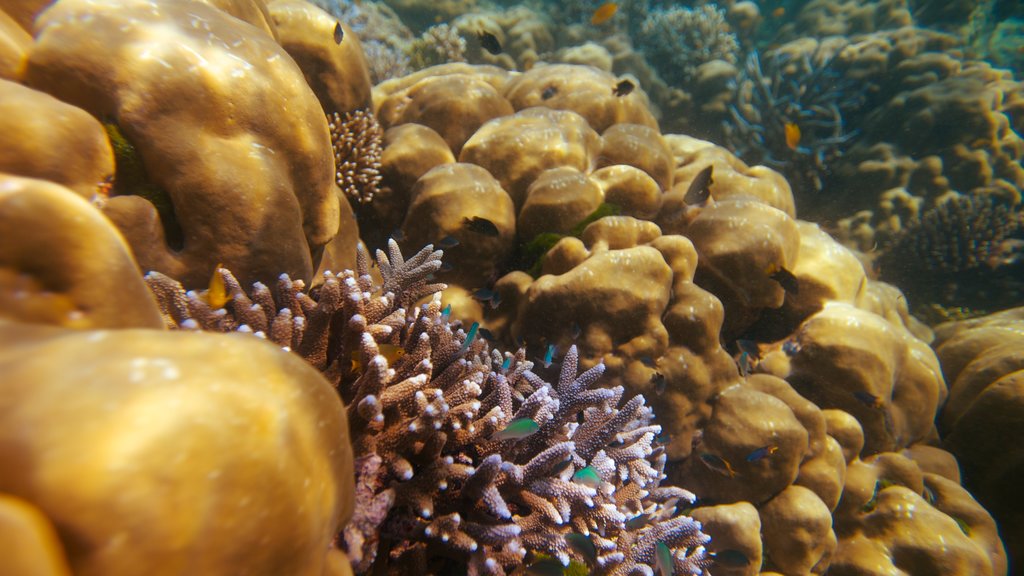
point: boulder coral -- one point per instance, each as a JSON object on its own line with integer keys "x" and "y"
{"x": 982, "y": 360}
{"x": 222, "y": 180}
{"x": 170, "y": 452}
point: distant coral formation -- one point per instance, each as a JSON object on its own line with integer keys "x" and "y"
{"x": 356, "y": 139}
{"x": 677, "y": 41}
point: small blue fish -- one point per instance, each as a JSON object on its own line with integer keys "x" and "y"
{"x": 744, "y": 364}
{"x": 557, "y": 468}
{"x": 446, "y": 313}
{"x": 549, "y": 356}
{"x": 495, "y": 301}
{"x": 583, "y": 546}
{"x": 648, "y": 361}
{"x": 750, "y": 347}
{"x": 516, "y": 430}
{"x": 505, "y": 365}
{"x": 637, "y": 522}
{"x": 717, "y": 464}
{"x": 446, "y": 267}
{"x": 588, "y": 477}
{"x": 761, "y": 453}
{"x": 791, "y": 347}
{"x": 731, "y": 558}
{"x": 576, "y": 330}
{"x": 869, "y": 399}
{"x": 483, "y": 294}
{"x": 470, "y": 336}
{"x": 447, "y": 242}
{"x": 663, "y": 558}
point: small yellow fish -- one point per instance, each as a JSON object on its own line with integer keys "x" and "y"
{"x": 217, "y": 294}
{"x": 604, "y": 13}
{"x": 779, "y": 12}
{"x": 792, "y": 135}
{"x": 391, "y": 352}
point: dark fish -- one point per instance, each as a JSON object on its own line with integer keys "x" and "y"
{"x": 648, "y": 361}
{"x": 762, "y": 453}
{"x": 868, "y": 399}
{"x": 583, "y": 546}
{"x": 446, "y": 267}
{"x": 557, "y": 468}
{"x": 576, "y": 330}
{"x": 730, "y": 557}
{"x": 750, "y": 347}
{"x": 623, "y": 88}
{"x": 397, "y": 235}
{"x": 786, "y": 279}
{"x": 483, "y": 295}
{"x": 548, "y": 92}
{"x": 637, "y": 522}
{"x": 700, "y": 189}
{"x": 447, "y": 242}
{"x": 489, "y": 42}
{"x": 487, "y": 335}
{"x": 663, "y": 559}
{"x": 717, "y": 464}
{"x": 658, "y": 379}
{"x": 480, "y": 226}
{"x": 339, "y": 33}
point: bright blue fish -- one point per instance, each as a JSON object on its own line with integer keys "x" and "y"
{"x": 588, "y": 477}
{"x": 470, "y": 336}
{"x": 549, "y": 356}
{"x": 761, "y": 453}
{"x": 663, "y": 558}
{"x": 447, "y": 242}
{"x": 516, "y": 430}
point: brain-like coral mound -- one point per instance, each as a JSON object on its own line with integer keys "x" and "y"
{"x": 982, "y": 359}
{"x": 171, "y": 452}
{"x": 221, "y": 180}
{"x": 61, "y": 261}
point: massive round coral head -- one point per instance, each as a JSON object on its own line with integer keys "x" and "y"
{"x": 596, "y": 95}
{"x": 230, "y": 149}
{"x": 61, "y": 262}
{"x": 171, "y": 453}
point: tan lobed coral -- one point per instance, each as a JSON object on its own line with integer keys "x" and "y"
{"x": 982, "y": 420}
{"x": 220, "y": 180}
{"x": 166, "y": 452}
{"x": 61, "y": 260}
{"x": 45, "y": 138}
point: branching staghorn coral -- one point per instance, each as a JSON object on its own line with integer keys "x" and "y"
{"x": 356, "y": 139}
{"x": 464, "y": 456}
{"x": 806, "y": 92}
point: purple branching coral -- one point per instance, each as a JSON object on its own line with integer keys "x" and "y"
{"x": 464, "y": 456}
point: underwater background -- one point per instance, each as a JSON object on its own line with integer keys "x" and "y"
{"x": 483, "y": 287}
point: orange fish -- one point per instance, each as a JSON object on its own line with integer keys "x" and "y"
{"x": 779, "y": 12}
{"x": 604, "y": 13}
{"x": 792, "y": 135}
{"x": 217, "y": 294}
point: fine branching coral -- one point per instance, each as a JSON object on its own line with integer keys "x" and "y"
{"x": 790, "y": 114}
{"x": 678, "y": 40}
{"x": 966, "y": 249}
{"x": 465, "y": 456}
{"x": 437, "y": 45}
{"x": 356, "y": 138}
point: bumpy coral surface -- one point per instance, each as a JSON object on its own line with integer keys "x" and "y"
{"x": 185, "y": 210}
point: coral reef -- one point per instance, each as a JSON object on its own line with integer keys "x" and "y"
{"x": 794, "y": 86}
{"x": 443, "y": 467}
{"x": 982, "y": 359}
{"x": 967, "y": 249}
{"x": 678, "y": 41}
